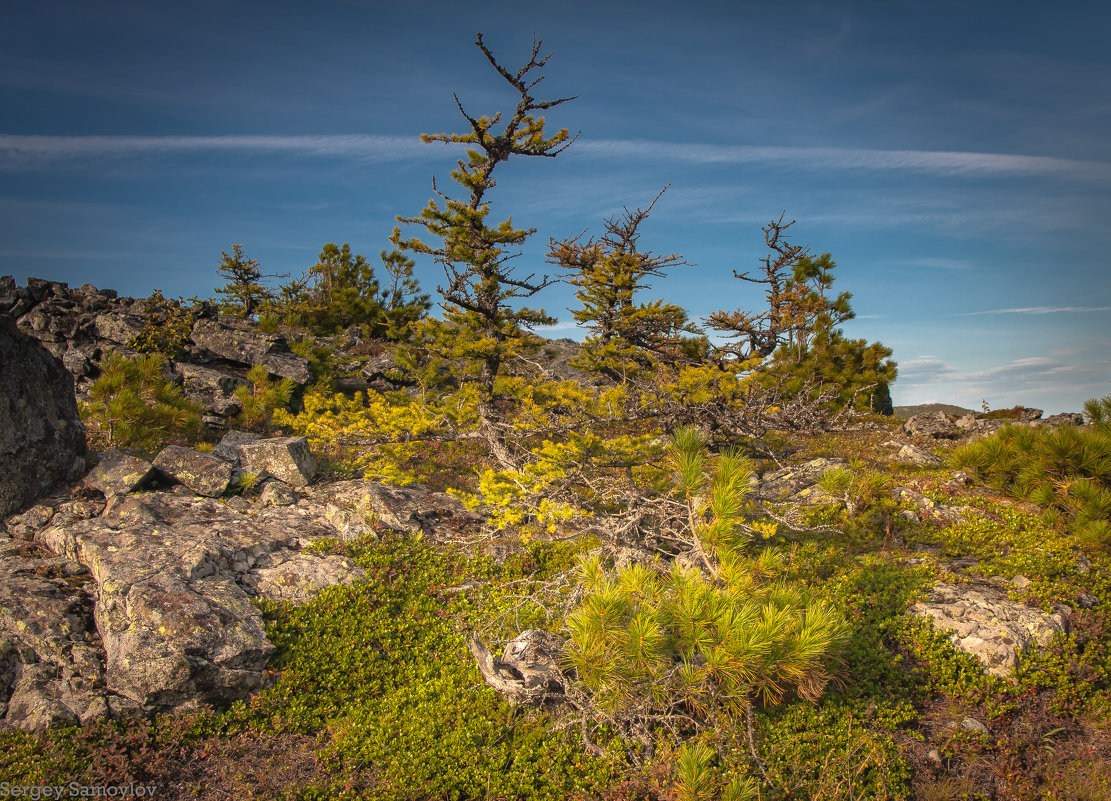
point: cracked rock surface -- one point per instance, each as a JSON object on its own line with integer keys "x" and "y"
{"x": 144, "y": 603}
{"x": 983, "y": 622}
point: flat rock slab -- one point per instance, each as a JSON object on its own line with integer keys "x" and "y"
{"x": 162, "y": 588}
{"x": 412, "y": 508}
{"x": 984, "y": 623}
{"x": 119, "y": 473}
{"x": 203, "y": 473}
{"x": 302, "y": 576}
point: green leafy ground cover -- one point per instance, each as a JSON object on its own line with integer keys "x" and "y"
{"x": 376, "y": 697}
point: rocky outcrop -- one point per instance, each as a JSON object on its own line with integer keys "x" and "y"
{"x": 984, "y": 623}
{"x": 932, "y": 424}
{"x": 42, "y": 440}
{"x": 81, "y": 326}
{"x": 51, "y": 662}
{"x": 938, "y": 425}
{"x": 142, "y": 602}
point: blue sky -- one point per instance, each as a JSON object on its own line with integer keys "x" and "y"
{"x": 955, "y": 158}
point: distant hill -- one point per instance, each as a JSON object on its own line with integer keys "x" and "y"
{"x": 905, "y": 412}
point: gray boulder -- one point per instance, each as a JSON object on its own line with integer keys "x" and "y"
{"x": 119, "y": 473}
{"x": 118, "y": 327}
{"x": 203, "y": 473}
{"x": 287, "y": 459}
{"x": 242, "y": 344}
{"x": 42, "y": 439}
{"x": 228, "y": 447}
{"x": 797, "y": 483}
{"x": 912, "y": 454}
{"x": 287, "y": 365}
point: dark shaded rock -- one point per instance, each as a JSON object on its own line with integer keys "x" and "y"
{"x": 287, "y": 365}
{"x": 203, "y": 473}
{"x": 287, "y": 459}
{"x": 213, "y": 389}
{"x": 119, "y": 473}
{"x": 42, "y": 440}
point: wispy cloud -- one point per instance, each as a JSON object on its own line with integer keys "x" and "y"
{"x": 1038, "y": 310}
{"x": 925, "y": 161}
{"x": 1036, "y": 380}
{"x": 31, "y": 152}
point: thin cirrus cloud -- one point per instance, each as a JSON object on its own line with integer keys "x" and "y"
{"x": 31, "y": 152}
{"x": 1038, "y": 310}
{"x": 34, "y": 151}
{"x": 926, "y": 161}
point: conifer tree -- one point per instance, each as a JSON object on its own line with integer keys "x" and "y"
{"x": 702, "y": 642}
{"x": 628, "y": 339}
{"x": 475, "y": 254}
{"x": 403, "y": 302}
{"x": 244, "y": 291}
{"x": 798, "y": 331}
{"x": 796, "y": 296}
{"x": 343, "y": 290}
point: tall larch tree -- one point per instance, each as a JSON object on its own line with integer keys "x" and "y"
{"x": 474, "y": 254}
